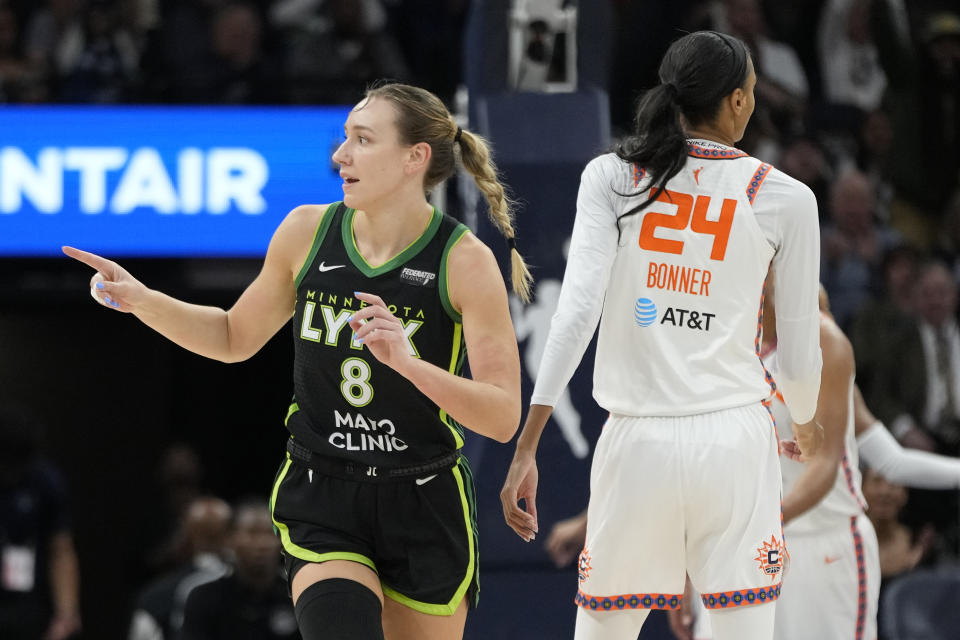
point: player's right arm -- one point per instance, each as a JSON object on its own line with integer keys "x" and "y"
{"x": 593, "y": 247}
{"x": 796, "y": 265}
{"x": 226, "y": 335}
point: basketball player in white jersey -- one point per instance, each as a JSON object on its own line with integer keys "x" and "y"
{"x": 672, "y": 241}
{"x": 822, "y": 589}
{"x": 832, "y": 584}
{"x": 834, "y": 580}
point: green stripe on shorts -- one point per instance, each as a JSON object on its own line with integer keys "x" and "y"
{"x": 469, "y": 521}
{"x": 298, "y": 551}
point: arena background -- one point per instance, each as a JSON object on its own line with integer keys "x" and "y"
{"x": 113, "y": 396}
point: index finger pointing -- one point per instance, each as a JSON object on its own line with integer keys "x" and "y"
{"x": 90, "y": 259}
{"x": 370, "y": 298}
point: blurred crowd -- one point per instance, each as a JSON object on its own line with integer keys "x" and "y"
{"x": 224, "y": 51}
{"x": 859, "y": 99}
{"x": 210, "y": 569}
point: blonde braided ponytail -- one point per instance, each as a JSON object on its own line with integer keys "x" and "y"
{"x": 475, "y": 156}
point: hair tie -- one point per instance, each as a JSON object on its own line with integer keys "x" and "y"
{"x": 673, "y": 90}
{"x": 512, "y": 244}
{"x": 456, "y": 138}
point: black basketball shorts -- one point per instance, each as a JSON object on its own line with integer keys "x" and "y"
{"x": 418, "y": 534}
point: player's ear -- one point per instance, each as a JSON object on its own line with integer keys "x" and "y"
{"x": 418, "y": 158}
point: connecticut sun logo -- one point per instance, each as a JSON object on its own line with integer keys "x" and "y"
{"x": 772, "y": 556}
{"x": 583, "y": 567}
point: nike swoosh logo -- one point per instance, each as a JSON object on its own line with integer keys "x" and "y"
{"x": 829, "y": 560}
{"x": 423, "y": 481}
{"x": 324, "y": 268}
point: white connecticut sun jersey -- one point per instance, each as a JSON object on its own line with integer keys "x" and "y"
{"x": 680, "y": 287}
{"x": 845, "y": 498}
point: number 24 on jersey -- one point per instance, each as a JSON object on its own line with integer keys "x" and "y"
{"x": 689, "y": 212}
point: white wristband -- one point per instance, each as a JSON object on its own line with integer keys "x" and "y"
{"x": 902, "y": 425}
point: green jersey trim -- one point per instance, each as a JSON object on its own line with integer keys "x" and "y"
{"x": 298, "y": 551}
{"x": 449, "y": 608}
{"x": 455, "y": 237}
{"x": 322, "y": 225}
{"x": 456, "y": 361}
{"x": 294, "y": 407}
{"x": 470, "y": 486}
{"x": 350, "y": 244}
{"x": 454, "y": 368}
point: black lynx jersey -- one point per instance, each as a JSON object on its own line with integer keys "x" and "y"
{"x": 346, "y": 403}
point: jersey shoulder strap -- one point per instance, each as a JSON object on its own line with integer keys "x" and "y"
{"x": 332, "y": 211}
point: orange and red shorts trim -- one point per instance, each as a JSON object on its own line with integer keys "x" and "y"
{"x": 743, "y": 597}
{"x": 670, "y": 601}
{"x": 629, "y": 601}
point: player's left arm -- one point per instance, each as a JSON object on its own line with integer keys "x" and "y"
{"x": 909, "y": 467}
{"x": 832, "y": 413}
{"x": 489, "y": 402}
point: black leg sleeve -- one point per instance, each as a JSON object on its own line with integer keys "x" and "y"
{"x": 339, "y": 609}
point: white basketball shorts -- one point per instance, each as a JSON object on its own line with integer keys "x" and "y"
{"x": 831, "y": 590}
{"x": 671, "y": 496}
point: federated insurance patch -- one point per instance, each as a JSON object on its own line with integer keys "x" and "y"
{"x": 772, "y": 557}
{"x": 418, "y": 277}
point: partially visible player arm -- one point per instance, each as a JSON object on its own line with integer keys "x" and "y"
{"x": 566, "y": 539}
{"x": 787, "y": 211}
{"x": 593, "y": 247}
{"x": 226, "y": 335}
{"x": 64, "y": 587}
{"x": 909, "y": 467}
{"x": 820, "y": 472}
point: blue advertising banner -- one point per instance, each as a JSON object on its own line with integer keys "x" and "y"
{"x": 159, "y": 181}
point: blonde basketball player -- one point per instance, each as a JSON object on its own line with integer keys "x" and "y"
{"x": 373, "y": 501}
{"x": 672, "y": 241}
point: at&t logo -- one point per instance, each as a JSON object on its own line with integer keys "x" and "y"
{"x": 645, "y": 312}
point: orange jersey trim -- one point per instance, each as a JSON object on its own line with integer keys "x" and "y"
{"x": 708, "y": 153}
{"x": 761, "y": 174}
{"x": 848, "y": 475}
{"x": 861, "y": 579}
{"x": 756, "y": 345}
{"x": 638, "y": 173}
